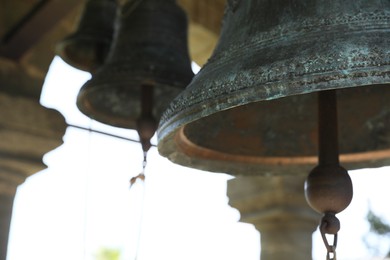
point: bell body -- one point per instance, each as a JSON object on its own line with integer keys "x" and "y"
{"x": 252, "y": 109}
{"x": 87, "y": 48}
{"x": 150, "y": 49}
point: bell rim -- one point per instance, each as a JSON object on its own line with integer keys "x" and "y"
{"x": 74, "y": 41}
{"x": 185, "y": 153}
{"x": 172, "y": 120}
{"x": 172, "y": 145}
{"x": 91, "y": 87}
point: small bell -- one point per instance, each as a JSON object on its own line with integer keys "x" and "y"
{"x": 87, "y": 48}
{"x": 150, "y": 50}
{"x": 148, "y": 65}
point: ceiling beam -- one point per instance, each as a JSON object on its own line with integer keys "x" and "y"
{"x": 41, "y": 19}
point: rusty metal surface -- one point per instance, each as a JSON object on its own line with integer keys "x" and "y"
{"x": 150, "y": 49}
{"x": 280, "y": 50}
{"x": 146, "y": 123}
{"x": 328, "y": 188}
{"x": 330, "y": 225}
{"x": 87, "y": 48}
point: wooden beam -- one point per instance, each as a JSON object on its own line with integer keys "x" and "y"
{"x": 41, "y": 19}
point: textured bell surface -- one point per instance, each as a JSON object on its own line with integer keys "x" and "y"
{"x": 150, "y": 50}
{"x": 87, "y": 48}
{"x": 252, "y": 109}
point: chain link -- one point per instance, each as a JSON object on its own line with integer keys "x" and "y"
{"x": 145, "y": 162}
{"x": 331, "y": 248}
{"x": 328, "y": 255}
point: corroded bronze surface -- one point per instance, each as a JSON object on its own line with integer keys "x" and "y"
{"x": 87, "y": 48}
{"x": 274, "y": 52}
{"x": 150, "y": 49}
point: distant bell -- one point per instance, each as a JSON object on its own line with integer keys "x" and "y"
{"x": 147, "y": 67}
{"x": 87, "y": 48}
{"x": 252, "y": 109}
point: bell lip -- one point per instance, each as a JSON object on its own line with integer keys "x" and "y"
{"x": 92, "y": 86}
{"x": 105, "y": 119}
{"x": 184, "y": 152}
{"x": 178, "y": 114}
{"x": 87, "y": 109}
{"x": 74, "y": 41}
{"x": 180, "y": 150}
{"x": 173, "y": 144}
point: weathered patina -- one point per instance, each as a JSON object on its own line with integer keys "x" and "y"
{"x": 150, "y": 49}
{"x": 252, "y": 107}
{"x": 87, "y": 48}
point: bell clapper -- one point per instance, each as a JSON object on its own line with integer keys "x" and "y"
{"x": 140, "y": 176}
{"x": 328, "y": 188}
{"x": 146, "y": 126}
{"x": 144, "y": 161}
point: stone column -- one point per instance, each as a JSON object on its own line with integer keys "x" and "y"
{"x": 278, "y": 209}
{"x": 27, "y": 132}
{"x": 6, "y": 202}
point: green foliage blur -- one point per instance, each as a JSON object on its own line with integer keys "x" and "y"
{"x": 108, "y": 254}
{"x": 378, "y": 229}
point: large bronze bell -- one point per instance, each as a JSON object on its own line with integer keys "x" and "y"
{"x": 87, "y": 48}
{"x": 147, "y": 67}
{"x": 252, "y": 107}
